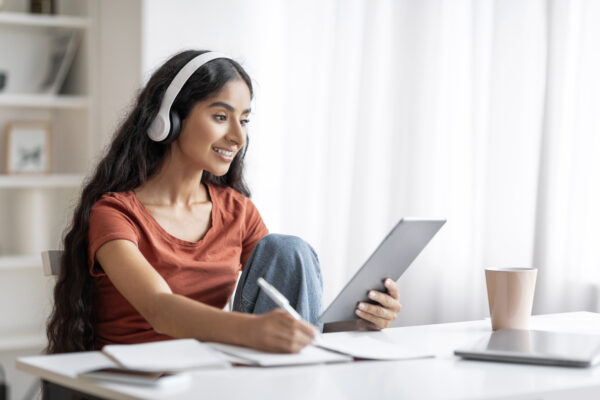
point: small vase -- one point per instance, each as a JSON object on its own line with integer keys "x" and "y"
{"x": 42, "y": 6}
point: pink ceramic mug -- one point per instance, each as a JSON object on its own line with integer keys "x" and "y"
{"x": 510, "y": 296}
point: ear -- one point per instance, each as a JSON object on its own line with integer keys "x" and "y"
{"x": 175, "y": 127}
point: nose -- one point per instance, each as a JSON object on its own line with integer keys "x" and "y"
{"x": 236, "y": 134}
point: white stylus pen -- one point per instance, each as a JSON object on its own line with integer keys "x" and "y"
{"x": 278, "y": 298}
{"x": 284, "y": 303}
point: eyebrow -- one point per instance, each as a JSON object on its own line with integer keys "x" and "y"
{"x": 227, "y": 107}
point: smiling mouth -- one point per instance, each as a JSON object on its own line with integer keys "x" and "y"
{"x": 226, "y": 153}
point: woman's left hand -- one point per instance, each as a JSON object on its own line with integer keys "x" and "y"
{"x": 379, "y": 316}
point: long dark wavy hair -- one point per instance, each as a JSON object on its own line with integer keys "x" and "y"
{"x": 131, "y": 159}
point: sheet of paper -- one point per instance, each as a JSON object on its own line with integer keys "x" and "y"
{"x": 308, "y": 355}
{"x": 169, "y": 355}
{"x": 366, "y": 346}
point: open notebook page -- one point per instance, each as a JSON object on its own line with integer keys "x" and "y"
{"x": 364, "y": 345}
{"x": 308, "y": 355}
{"x": 169, "y": 355}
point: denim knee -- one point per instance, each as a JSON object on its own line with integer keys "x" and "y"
{"x": 288, "y": 246}
{"x": 275, "y": 242}
{"x": 292, "y": 266}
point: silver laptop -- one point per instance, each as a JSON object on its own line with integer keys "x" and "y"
{"x": 535, "y": 347}
{"x": 391, "y": 258}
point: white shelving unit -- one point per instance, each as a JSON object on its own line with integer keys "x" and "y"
{"x": 35, "y": 209}
{"x": 44, "y": 101}
{"x": 41, "y": 181}
{"x": 26, "y": 341}
{"x": 46, "y": 21}
{"x": 20, "y": 261}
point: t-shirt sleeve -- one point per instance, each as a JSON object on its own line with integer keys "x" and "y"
{"x": 109, "y": 220}
{"x": 255, "y": 230}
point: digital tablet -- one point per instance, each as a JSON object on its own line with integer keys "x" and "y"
{"x": 535, "y": 347}
{"x": 391, "y": 258}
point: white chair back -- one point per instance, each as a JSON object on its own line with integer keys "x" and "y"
{"x": 51, "y": 262}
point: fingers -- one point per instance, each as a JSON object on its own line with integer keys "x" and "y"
{"x": 307, "y": 329}
{"x": 285, "y": 334}
{"x": 385, "y": 300}
{"x": 392, "y": 288}
{"x": 292, "y": 325}
{"x": 382, "y": 314}
{"x": 375, "y": 321}
{"x": 376, "y": 311}
{"x": 295, "y": 336}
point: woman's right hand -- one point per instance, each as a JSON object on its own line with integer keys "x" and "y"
{"x": 279, "y": 332}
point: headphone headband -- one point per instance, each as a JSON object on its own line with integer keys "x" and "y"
{"x": 161, "y": 126}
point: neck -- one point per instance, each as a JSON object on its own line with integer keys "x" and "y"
{"x": 173, "y": 184}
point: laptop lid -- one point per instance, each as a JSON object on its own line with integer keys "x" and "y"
{"x": 391, "y": 258}
{"x": 535, "y": 347}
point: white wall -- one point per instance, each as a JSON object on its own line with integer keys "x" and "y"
{"x": 118, "y": 76}
{"x": 169, "y": 27}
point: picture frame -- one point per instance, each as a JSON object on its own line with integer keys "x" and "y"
{"x": 27, "y": 147}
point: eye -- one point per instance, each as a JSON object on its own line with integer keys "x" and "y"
{"x": 221, "y": 117}
{"x": 245, "y": 122}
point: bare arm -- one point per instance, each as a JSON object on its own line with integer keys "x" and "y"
{"x": 178, "y": 316}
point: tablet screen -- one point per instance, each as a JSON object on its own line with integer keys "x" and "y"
{"x": 391, "y": 258}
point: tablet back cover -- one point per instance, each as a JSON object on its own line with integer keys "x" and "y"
{"x": 391, "y": 258}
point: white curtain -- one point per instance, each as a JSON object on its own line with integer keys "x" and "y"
{"x": 568, "y": 214}
{"x": 483, "y": 112}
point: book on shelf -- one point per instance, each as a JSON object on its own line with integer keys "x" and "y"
{"x": 61, "y": 54}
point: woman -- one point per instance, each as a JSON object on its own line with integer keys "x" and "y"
{"x": 165, "y": 224}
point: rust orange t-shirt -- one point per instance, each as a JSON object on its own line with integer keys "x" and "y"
{"x": 205, "y": 271}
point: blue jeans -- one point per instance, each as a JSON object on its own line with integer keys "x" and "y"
{"x": 292, "y": 267}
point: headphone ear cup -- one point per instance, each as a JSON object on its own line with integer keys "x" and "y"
{"x": 175, "y": 127}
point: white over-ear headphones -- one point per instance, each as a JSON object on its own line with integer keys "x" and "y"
{"x": 162, "y": 128}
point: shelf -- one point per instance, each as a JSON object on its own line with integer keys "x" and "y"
{"x": 43, "y": 21}
{"x": 29, "y": 261}
{"x": 41, "y": 181}
{"x": 43, "y": 101}
{"x": 23, "y": 341}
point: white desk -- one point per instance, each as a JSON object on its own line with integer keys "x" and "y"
{"x": 442, "y": 377}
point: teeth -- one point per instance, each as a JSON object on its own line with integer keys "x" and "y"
{"x": 224, "y": 152}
